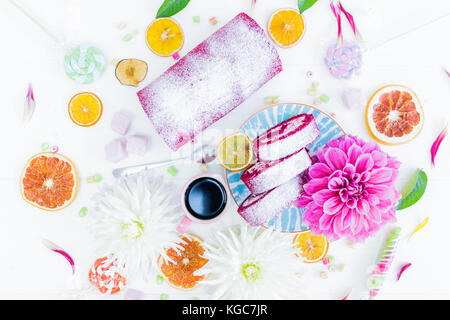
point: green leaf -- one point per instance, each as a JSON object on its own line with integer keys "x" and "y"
{"x": 304, "y": 5}
{"x": 414, "y": 190}
{"x": 171, "y": 7}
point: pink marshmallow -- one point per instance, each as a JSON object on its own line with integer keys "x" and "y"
{"x": 137, "y": 144}
{"x": 121, "y": 123}
{"x": 133, "y": 294}
{"x": 352, "y": 98}
{"x": 116, "y": 150}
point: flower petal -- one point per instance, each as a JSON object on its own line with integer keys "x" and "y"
{"x": 315, "y": 185}
{"x": 362, "y": 206}
{"x": 353, "y": 153}
{"x": 380, "y": 176}
{"x": 319, "y": 170}
{"x": 336, "y": 159}
{"x": 326, "y": 221}
{"x": 322, "y": 196}
{"x": 332, "y": 205}
{"x": 364, "y": 163}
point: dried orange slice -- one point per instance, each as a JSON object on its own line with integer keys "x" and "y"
{"x": 313, "y": 248}
{"x": 49, "y": 181}
{"x": 286, "y": 27}
{"x": 235, "y": 152}
{"x": 164, "y": 37}
{"x": 394, "y": 115}
{"x": 181, "y": 275}
{"x": 105, "y": 275}
{"x": 85, "y": 109}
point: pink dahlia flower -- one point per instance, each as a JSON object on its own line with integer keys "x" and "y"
{"x": 350, "y": 192}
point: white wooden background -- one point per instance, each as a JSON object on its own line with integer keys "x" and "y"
{"x": 407, "y": 43}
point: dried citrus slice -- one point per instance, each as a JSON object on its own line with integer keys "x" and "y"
{"x": 85, "y": 109}
{"x": 286, "y": 27}
{"x": 235, "y": 152}
{"x": 181, "y": 275}
{"x": 49, "y": 181}
{"x": 394, "y": 115}
{"x": 313, "y": 248}
{"x": 164, "y": 37}
{"x": 105, "y": 275}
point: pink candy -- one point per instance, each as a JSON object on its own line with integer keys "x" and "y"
{"x": 286, "y": 138}
{"x": 137, "y": 144}
{"x": 264, "y": 176}
{"x": 260, "y": 209}
{"x": 210, "y": 81}
{"x": 116, "y": 150}
{"x": 352, "y": 98}
{"x": 121, "y": 123}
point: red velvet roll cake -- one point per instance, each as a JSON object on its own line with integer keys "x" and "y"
{"x": 210, "y": 81}
{"x": 264, "y": 176}
{"x": 286, "y": 138}
{"x": 260, "y": 209}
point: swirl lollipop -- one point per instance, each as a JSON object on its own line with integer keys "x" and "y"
{"x": 83, "y": 63}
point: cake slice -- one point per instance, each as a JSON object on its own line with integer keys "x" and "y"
{"x": 210, "y": 81}
{"x": 286, "y": 138}
{"x": 264, "y": 176}
{"x": 260, "y": 209}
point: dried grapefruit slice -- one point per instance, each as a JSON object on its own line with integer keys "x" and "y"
{"x": 181, "y": 275}
{"x": 394, "y": 115}
{"x": 286, "y": 27}
{"x": 313, "y": 248}
{"x": 49, "y": 181}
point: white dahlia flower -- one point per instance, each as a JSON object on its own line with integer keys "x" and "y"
{"x": 252, "y": 264}
{"x": 136, "y": 217}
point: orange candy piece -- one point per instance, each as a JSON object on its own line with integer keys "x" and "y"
{"x": 181, "y": 274}
{"x": 105, "y": 276}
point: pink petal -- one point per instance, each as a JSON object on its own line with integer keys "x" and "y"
{"x": 364, "y": 163}
{"x": 332, "y": 205}
{"x": 363, "y": 206}
{"x": 336, "y": 159}
{"x": 383, "y": 192}
{"x": 315, "y": 185}
{"x": 437, "y": 143}
{"x": 319, "y": 170}
{"x": 322, "y": 196}
{"x": 353, "y": 153}
{"x": 380, "y": 176}
{"x": 379, "y": 159}
{"x": 326, "y": 221}
{"x": 403, "y": 269}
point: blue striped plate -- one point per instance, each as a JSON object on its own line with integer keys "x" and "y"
{"x": 291, "y": 219}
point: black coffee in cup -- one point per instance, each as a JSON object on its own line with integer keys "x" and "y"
{"x": 205, "y": 198}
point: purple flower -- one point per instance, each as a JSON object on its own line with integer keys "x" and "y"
{"x": 344, "y": 60}
{"x": 350, "y": 192}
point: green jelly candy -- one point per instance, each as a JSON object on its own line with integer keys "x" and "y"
{"x": 83, "y": 212}
{"x": 45, "y": 146}
{"x": 164, "y": 296}
{"x": 173, "y": 171}
{"x": 324, "y": 98}
{"x": 127, "y": 38}
{"x": 196, "y": 19}
{"x": 159, "y": 279}
{"x": 95, "y": 178}
{"x": 330, "y": 259}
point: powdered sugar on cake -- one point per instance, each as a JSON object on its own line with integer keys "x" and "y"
{"x": 210, "y": 81}
{"x": 264, "y": 176}
{"x": 260, "y": 209}
{"x": 287, "y": 137}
